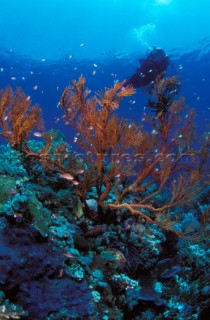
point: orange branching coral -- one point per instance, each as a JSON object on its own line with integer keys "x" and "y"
{"x": 137, "y": 166}
{"x": 146, "y": 173}
{"x": 93, "y": 117}
{"x": 18, "y": 117}
{"x": 99, "y": 130}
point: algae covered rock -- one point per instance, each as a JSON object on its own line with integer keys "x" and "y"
{"x": 40, "y": 214}
{"x": 6, "y": 184}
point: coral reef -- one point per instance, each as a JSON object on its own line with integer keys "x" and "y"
{"x": 103, "y": 235}
{"x": 130, "y": 162}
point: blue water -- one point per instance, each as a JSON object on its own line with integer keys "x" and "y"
{"x": 45, "y": 44}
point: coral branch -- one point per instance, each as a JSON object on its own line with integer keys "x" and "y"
{"x": 134, "y": 171}
{"x": 18, "y": 117}
{"x": 148, "y": 164}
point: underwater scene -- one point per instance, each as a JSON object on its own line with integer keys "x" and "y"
{"x": 104, "y": 159}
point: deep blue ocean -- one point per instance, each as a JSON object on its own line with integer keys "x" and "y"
{"x": 44, "y": 45}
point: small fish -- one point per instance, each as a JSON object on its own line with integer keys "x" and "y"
{"x": 61, "y": 272}
{"x": 67, "y": 176}
{"x": 75, "y": 183}
{"x": 9, "y": 132}
{"x": 18, "y": 216}
{"x": 35, "y": 87}
{"x": 56, "y": 120}
{"x": 68, "y": 255}
{"x": 80, "y": 171}
{"x": 55, "y": 215}
{"x": 11, "y": 191}
{"x": 38, "y": 134}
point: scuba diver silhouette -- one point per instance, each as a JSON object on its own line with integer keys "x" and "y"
{"x": 155, "y": 65}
